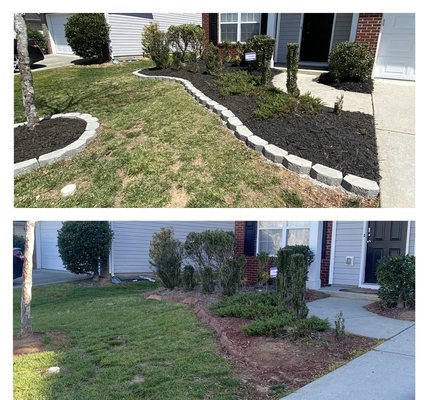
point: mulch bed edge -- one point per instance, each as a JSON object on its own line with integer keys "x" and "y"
{"x": 358, "y": 186}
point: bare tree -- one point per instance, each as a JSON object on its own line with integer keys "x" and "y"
{"x": 25, "y": 71}
{"x": 27, "y": 279}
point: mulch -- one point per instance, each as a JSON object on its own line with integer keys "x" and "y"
{"x": 49, "y": 135}
{"x": 404, "y": 314}
{"x": 346, "y": 142}
{"x": 364, "y": 86}
{"x": 264, "y": 362}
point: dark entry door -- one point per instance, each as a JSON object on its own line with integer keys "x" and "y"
{"x": 384, "y": 238}
{"x": 316, "y": 37}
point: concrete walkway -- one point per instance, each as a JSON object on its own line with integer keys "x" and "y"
{"x": 394, "y": 112}
{"x": 386, "y": 372}
{"x": 393, "y": 106}
{"x": 50, "y": 277}
{"x": 55, "y": 61}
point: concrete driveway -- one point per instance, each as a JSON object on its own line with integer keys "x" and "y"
{"x": 394, "y": 113}
{"x": 50, "y": 277}
{"x": 55, "y": 61}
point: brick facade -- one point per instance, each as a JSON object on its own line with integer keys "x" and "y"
{"x": 368, "y": 29}
{"x": 325, "y": 261}
{"x": 252, "y": 265}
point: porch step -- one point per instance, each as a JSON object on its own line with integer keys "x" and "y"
{"x": 336, "y": 291}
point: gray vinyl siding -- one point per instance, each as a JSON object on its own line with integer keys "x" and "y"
{"x": 131, "y": 243}
{"x": 349, "y": 236}
{"x": 289, "y": 31}
{"x": 126, "y": 29}
{"x": 342, "y": 29}
{"x": 412, "y": 237}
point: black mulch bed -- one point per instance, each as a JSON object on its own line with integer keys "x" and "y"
{"x": 346, "y": 142}
{"x": 365, "y": 86}
{"x": 49, "y": 135}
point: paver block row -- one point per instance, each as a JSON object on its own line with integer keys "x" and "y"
{"x": 68, "y": 151}
{"x": 326, "y": 175}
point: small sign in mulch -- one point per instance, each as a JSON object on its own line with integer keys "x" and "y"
{"x": 47, "y": 136}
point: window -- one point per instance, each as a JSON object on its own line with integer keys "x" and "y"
{"x": 239, "y": 27}
{"x": 273, "y": 235}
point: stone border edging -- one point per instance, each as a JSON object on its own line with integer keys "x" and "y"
{"x": 326, "y": 175}
{"x": 206, "y": 318}
{"x": 68, "y": 151}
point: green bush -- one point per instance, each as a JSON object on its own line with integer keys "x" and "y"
{"x": 298, "y": 274}
{"x": 305, "y": 327}
{"x": 207, "y": 277}
{"x": 310, "y": 104}
{"x": 396, "y": 277}
{"x": 275, "y": 104}
{"x": 192, "y": 63}
{"x": 176, "y": 62}
{"x": 263, "y": 46}
{"x": 186, "y": 37}
{"x": 229, "y": 277}
{"x": 292, "y": 68}
{"x": 188, "y": 278}
{"x": 84, "y": 246}
{"x": 19, "y": 241}
{"x": 225, "y": 53}
{"x": 269, "y": 326}
{"x": 166, "y": 255}
{"x": 39, "y": 38}
{"x": 239, "y": 82}
{"x": 262, "y": 261}
{"x": 350, "y": 61}
{"x": 213, "y": 62}
{"x": 156, "y": 45}
{"x": 88, "y": 35}
{"x": 338, "y": 105}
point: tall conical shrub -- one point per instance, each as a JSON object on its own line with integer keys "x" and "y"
{"x": 292, "y": 68}
{"x": 298, "y": 272}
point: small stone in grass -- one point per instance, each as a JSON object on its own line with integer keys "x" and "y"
{"x": 54, "y": 370}
{"x": 68, "y": 190}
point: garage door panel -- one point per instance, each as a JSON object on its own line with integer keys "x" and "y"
{"x": 396, "y": 53}
{"x": 57, "y": 29}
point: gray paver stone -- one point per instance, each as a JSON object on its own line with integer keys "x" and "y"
{"x": 50, "y": 158}
{"x": 92, "y": 126}
{"x": 233, "y": 123}
{"x": 203, "y": 100}
{"x": 218, "y": 109}
{"x": 25, "y": 166}
{"x": 243, "y": 133}
{"x": 226, "y": 114}
{"x": 210, "y": 104}
{"x": 297, "y": 164}
{"x": 74, "y": 148}
{"x": 360, "y": 186}
{"x": 274, "y": 153}
{"x": 88, "y": 136}
{"x": 256, "y": 143}
{"x": 326, "y": 175}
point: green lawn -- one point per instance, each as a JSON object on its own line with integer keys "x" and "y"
{"x": 156, "y": 148}
{"x": 113, "y": 337}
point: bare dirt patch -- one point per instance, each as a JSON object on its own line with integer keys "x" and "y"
{"x": 179, "y": 197}
{"x": 37, "y": 342}
{"x": 404, "y": 314}
{"x": 264, "y": 363}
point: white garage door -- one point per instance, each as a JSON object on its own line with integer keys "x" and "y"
{"x": 47, "y": 250}
{"x": 56, "y": 25}
{"x": 396, "y": 53}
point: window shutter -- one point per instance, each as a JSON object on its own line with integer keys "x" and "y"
{"x": 250, "y": 238}
{"x": 213, "y": 27}
{"x": 263, "y": 24}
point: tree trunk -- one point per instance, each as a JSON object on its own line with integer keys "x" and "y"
{"x": 27, "y": 280}
{"x": 25, "y": 71}
{"x": 104, "y": 269}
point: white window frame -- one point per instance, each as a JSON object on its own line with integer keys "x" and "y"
{"x": 239, "y": 22}
{"x": 284, "y": 230}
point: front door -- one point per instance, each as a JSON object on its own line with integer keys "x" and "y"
{"x": 316, "y": 37}
{"x": 384, "y": 238}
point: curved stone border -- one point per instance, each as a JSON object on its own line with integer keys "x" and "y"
{"x": 68, "y": 151}
{"x": 329, "y": 176}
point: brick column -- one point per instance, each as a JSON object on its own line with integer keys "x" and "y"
{"x": 325, "y": 262}
{"x": 368, "y": 29}
{"x": 206, "y": 26}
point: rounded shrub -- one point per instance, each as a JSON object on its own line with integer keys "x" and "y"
{"x": 166, "y": 255}
{"x": 88, "y": 35}
{"x": 84, "y": 246}
{"x": 350, "y": 61}
{"x": 396, "y": 277}
{"x": 38, "y": 38}
{"x": 156, "y": 45}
